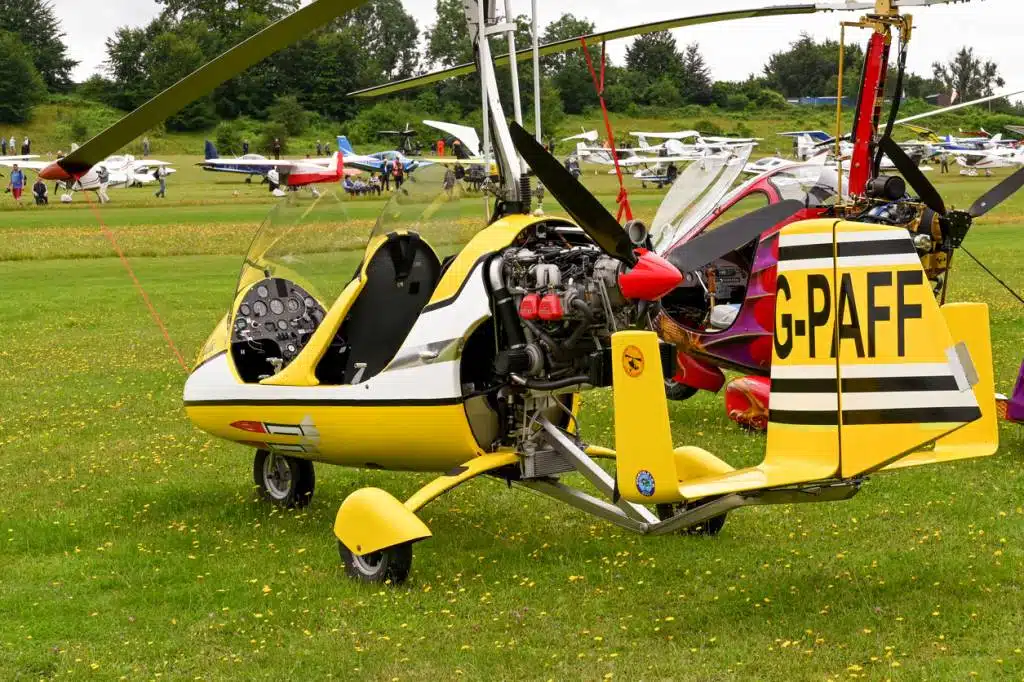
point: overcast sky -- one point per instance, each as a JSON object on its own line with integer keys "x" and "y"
{"x": 733, "y": 50}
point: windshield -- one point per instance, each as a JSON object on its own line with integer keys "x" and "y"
{"x": 319, "y": 243}
{"x": 705, "y": 181}
{"x": 710, "y": 192}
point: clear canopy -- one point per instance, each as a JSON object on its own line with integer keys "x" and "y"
{"x": 319, "y": 243}
{"x": 708, "y": 186}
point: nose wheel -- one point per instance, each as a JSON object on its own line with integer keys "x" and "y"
{"x": 287, "y": 482}
{"x": 391, "y": 565}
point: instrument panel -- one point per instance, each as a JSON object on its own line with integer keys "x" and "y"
{"x": 274, "y": 322}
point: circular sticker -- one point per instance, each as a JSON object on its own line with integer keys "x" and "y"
{"x": 645, "y": 483}
{"x": 633, "y": 361}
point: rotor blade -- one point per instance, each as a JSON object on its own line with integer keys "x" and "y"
{"x": 271, "y": 39}
{"x": 579, "y": 203}
{"x": 998, "y": 194}
{"x": 720, "y": 241}
{"x": 913, "y": 175}
{"x": 593, "y": 39}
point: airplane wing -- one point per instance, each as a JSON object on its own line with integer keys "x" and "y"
{"x": 655, "y": 160}
{"x": 466, "y": 134}
{"x": 248, "y": 163}
{"x": 27, "y": 165}
{"x": 680, "y": 135}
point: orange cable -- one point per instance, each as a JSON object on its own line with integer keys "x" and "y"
{"x": 138, "y": 285}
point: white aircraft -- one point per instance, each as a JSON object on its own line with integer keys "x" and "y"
{"x": 971, "y": 161}
{"x": 675, "y": 142}
{"x": 137, "y": 171}
{"x": 90, "y": 182}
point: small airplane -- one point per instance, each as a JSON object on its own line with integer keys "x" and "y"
{"x": 986, "y": 160}
{"x": 88, "y": 182}
{"x": 250, "y": 165}
{"x": 674, "y": 142}
{"x": 376, "y": 162}
{"x": 280, "y": 173}
{"x": 139, "y": 172}
{"x": 297, "y": 174}
{"x": 476, "y": 367}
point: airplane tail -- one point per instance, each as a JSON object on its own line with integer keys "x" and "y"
{"x": 211, "y": 151}
{"x": 344, "y": 145}
{"x": 581, "y": 150}
{"x": 338, "y": 165}
{"x": 868, "y": 373}
{"x": 644, "y": 146}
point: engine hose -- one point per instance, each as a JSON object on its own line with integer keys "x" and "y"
{"x": 588, "y": 315}
{"x": 545, "y": 340}
{"x": 505, "y": 306}
{"x": 550, "y": 385}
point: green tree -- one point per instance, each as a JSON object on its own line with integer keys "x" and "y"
{"x": 568, "y": 71}
{"x": 170, "y": 57}
{"x": 695, "y": 76}
{"x": 448, "y": 44}
{"x": 38, "y": 28}
{"x": 655, "y": 55}
{"x": 21, "y": 86}
{"x": 287, "y": 112}
{"x": 225, "y": 17}
{"x": 811, "y": 69}
{"x": 968, "y": 76}
{"x": 387, "y": 36}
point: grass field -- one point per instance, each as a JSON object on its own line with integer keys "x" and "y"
{"x": 133, "y": 546}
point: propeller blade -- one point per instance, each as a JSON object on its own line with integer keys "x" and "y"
{"x": 998, "y": 194}
{"x": 913, "y": 175}
{"x": 577, "y": 201}
{"x": 271, "y": 39}
{"x": 720, "y": 241}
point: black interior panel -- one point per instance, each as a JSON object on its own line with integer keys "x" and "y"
{"x": 400, "y": 280}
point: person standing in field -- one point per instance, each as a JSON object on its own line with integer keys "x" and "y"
{"x": 16, "y": 183}
{"x": 399, "y": 174}
{"x": 161, "y": 176}
{"x": 277, "y": 148}
{"x": 944, "y": 162}
{"x": 3, "y": 146}
{"x": 26, "y": 147}
{"x": 245, "y": 147}
{"x": 145, "y": 147}
{"x": 12, "y": 145}
{"x": 103, "y": 175}
{"x": 385, "y": 175}
{"x": 440, "y": 147}
{"x": 319, "y": 149}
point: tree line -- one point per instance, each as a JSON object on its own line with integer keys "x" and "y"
{"x": 379, "y": 42}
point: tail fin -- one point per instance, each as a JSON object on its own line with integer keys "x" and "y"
{"x": 860, "y": 343}
{"x": 581, "y": 150}
{"x": 643, "y": 142}
{"x": 338, "y": 165}
{"x": 344, "y": 145}
{"x": 211, "y": 151}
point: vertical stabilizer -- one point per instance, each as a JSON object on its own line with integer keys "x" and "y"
{"x": 344, "y": 146}
{"x": 211, "y": 151}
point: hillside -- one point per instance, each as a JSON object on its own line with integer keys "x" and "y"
{"x": 65, "y": 119}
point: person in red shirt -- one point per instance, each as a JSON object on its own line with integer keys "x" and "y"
{"x": 440, "y": 147}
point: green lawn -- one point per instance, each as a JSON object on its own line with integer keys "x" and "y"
{"x": 133, "y": 546}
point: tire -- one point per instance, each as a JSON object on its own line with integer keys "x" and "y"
{"x": 391, "y": 565}
{"x": 677, "y": 391}
{"x": 287, "y": 482}
{"x": 710, "y": 528}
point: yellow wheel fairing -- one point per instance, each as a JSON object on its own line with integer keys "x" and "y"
{"x": 371, "y": 519}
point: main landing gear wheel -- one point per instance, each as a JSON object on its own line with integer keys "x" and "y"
{"x": 388, "y": 565}
{"x": 710, "y": 528}
{"x": 677, "y": 391}
{"x": 287, "y": 482}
